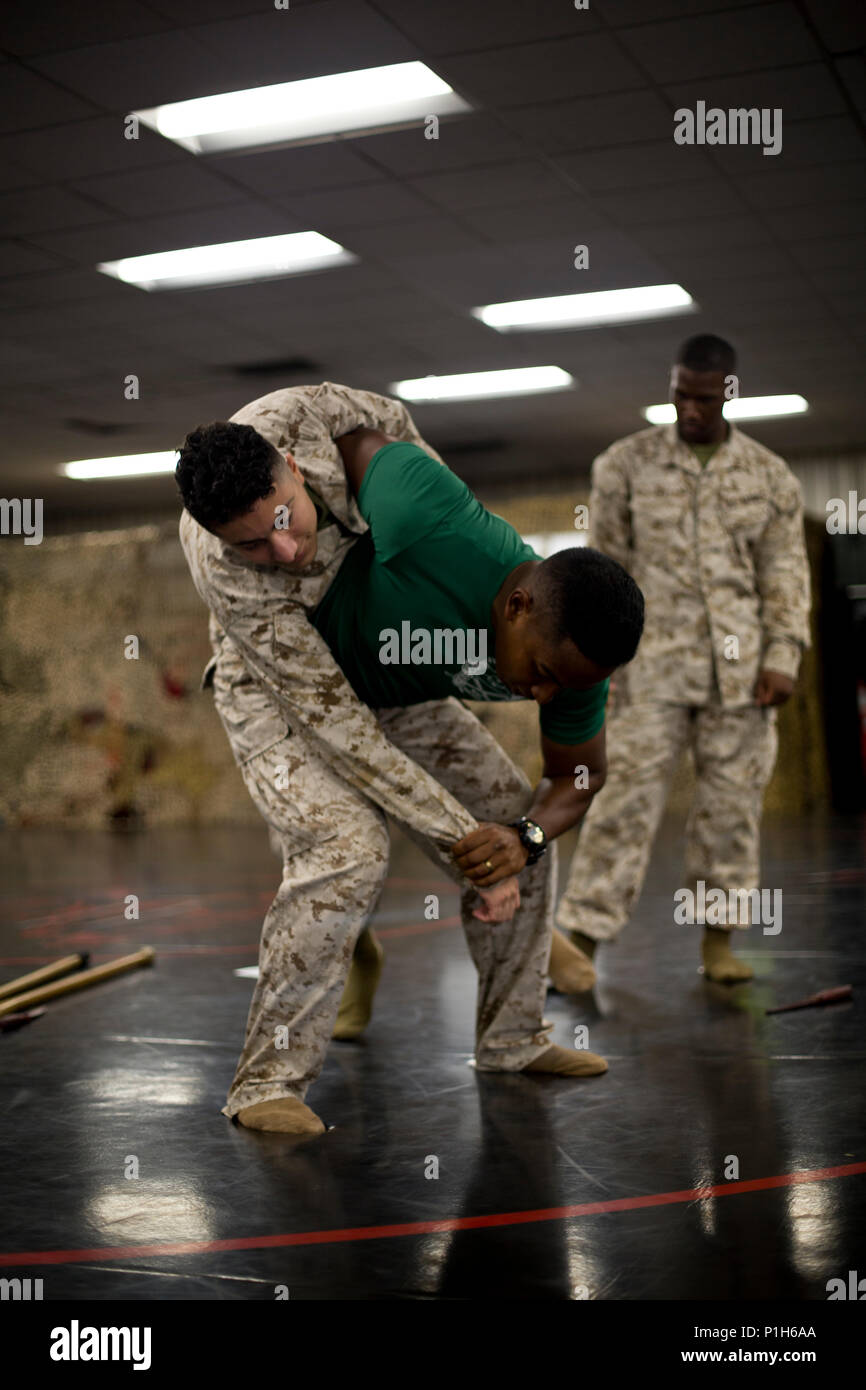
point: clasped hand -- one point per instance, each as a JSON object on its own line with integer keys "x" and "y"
{"x": 492, "y": 857}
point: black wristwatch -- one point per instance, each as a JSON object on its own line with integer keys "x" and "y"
{"x": 532, "y": 837}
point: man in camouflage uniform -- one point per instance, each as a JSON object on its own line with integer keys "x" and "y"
{"x": 323, "y": 769}
{"x": 710, "y": 524}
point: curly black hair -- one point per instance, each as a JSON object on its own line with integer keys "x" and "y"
{"x": 223, "y": 470}
{"x": 589, "y": 599}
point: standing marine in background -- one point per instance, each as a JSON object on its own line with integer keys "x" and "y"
{"x": 710, "y": 525}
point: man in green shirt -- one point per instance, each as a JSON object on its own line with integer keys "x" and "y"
{"x": 431, "y": 566}
{"x": 436, "y": 599}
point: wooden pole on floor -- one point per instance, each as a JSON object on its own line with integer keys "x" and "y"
{"x": 44, "y": 974}
{"x": 84, "y": 978}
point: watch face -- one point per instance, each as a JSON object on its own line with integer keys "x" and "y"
{"x": 535, "y": 834}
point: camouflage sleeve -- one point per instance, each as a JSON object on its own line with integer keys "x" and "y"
{"x": 283, "y": 651}
{"x": 343, "y": 409}
{"x": 782, "y": 578}
{"x": 609, "y": 508}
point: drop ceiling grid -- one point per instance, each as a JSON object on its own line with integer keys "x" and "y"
{"x": 484, "y": 218}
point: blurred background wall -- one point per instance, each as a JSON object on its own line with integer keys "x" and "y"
{"x": 92, "y": 738}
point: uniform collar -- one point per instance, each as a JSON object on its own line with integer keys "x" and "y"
{"x": 682, "y": 456}
{"x": 327, "y": 478}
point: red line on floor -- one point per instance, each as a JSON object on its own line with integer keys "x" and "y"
{"x": 421, "y": 1228}
{"x": 416, "y": 930}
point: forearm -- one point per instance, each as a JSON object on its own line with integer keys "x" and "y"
{"x": 782, "y": 654}
{"x": 558, "y": 805}
{"x": 345, "y": 410}
{"x": 783, "y": 582}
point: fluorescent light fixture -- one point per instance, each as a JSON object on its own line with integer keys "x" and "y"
{"x": 125, "y": 466}
{"x": 314, "y": 108}
{"x": 467, "y": 386}
{"x": 743, "y": 408}
{"x": 587, "y": 310}
{"x": 230, "y": 262}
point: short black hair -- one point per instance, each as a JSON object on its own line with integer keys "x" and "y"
{"x": 707, "y": 353}
{"x": 223, "y": 470}
{"x": 590, "y": 600}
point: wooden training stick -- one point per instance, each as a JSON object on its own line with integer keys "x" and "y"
{"x": 80, "y": 981}
{"x": 11, "y": 1021}
{"x": 826, "y": 996}
{"x": 44, "y": 974}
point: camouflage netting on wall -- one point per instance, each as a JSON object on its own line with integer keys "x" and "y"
{"x": 92, "y": 738}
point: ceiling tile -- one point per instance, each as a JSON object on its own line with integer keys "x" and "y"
{"x": 191, "y": 12}
{"x": 527, "y": 73}
{"x": 733, "y": 264}
{"x": 721, "y": 232}
{"x": 12, "y": 175}
{"x": 28, "y": 100}
{"x": 620, "y": 13}
{"x": 302, "y": 169}
{"x": 286, "y": 45}
{"x": 59, "y": 287}
{"x": 114, "y": 240}
{"x": 837, "y": 219}
{"x": 165, "y": 188}
{"x": 464, "y": 278}
{"x": 706, "y": 198}
{"x": 450, "y": 26}
{"x": 844, "y": 251}
{"x": 499, "y": 183}
{"x": 783, "y": 306}
{"x": 636, "y": 166}
{"x": 44, "y": 209}
{"x": 362, "y": 205}
{"x": 16, "y": 259}
{"x": 593, "y": 122}
{"x": 574, "y": 219}
{"x": 463, "y": 141}
{"x": 852, "y": 72}
{"x": 840, "y": 23}
{"x": 714, "y": 44}
{"x": 55, "y": 24}
{"x": 132, "y": 74}
{"x": 830, "y": 138}
{"x": 395, "y": 241}
{"x": 818, "y": 185}
{"x": 89, "y": 147}
{"x": 802, "y": 92}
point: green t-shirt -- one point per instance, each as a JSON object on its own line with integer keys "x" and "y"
{"x": 432, "y": 562}
{"x": 704, "y": 452}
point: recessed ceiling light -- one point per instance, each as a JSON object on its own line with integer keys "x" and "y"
{"x": 124, "y": 466}
{"x": 743, "y": 408}
{"x": 313, "y": 108}
{"x": 587, "y": 310}
{"x": 230, "y": 262}
{"x": 513, "y": 381}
